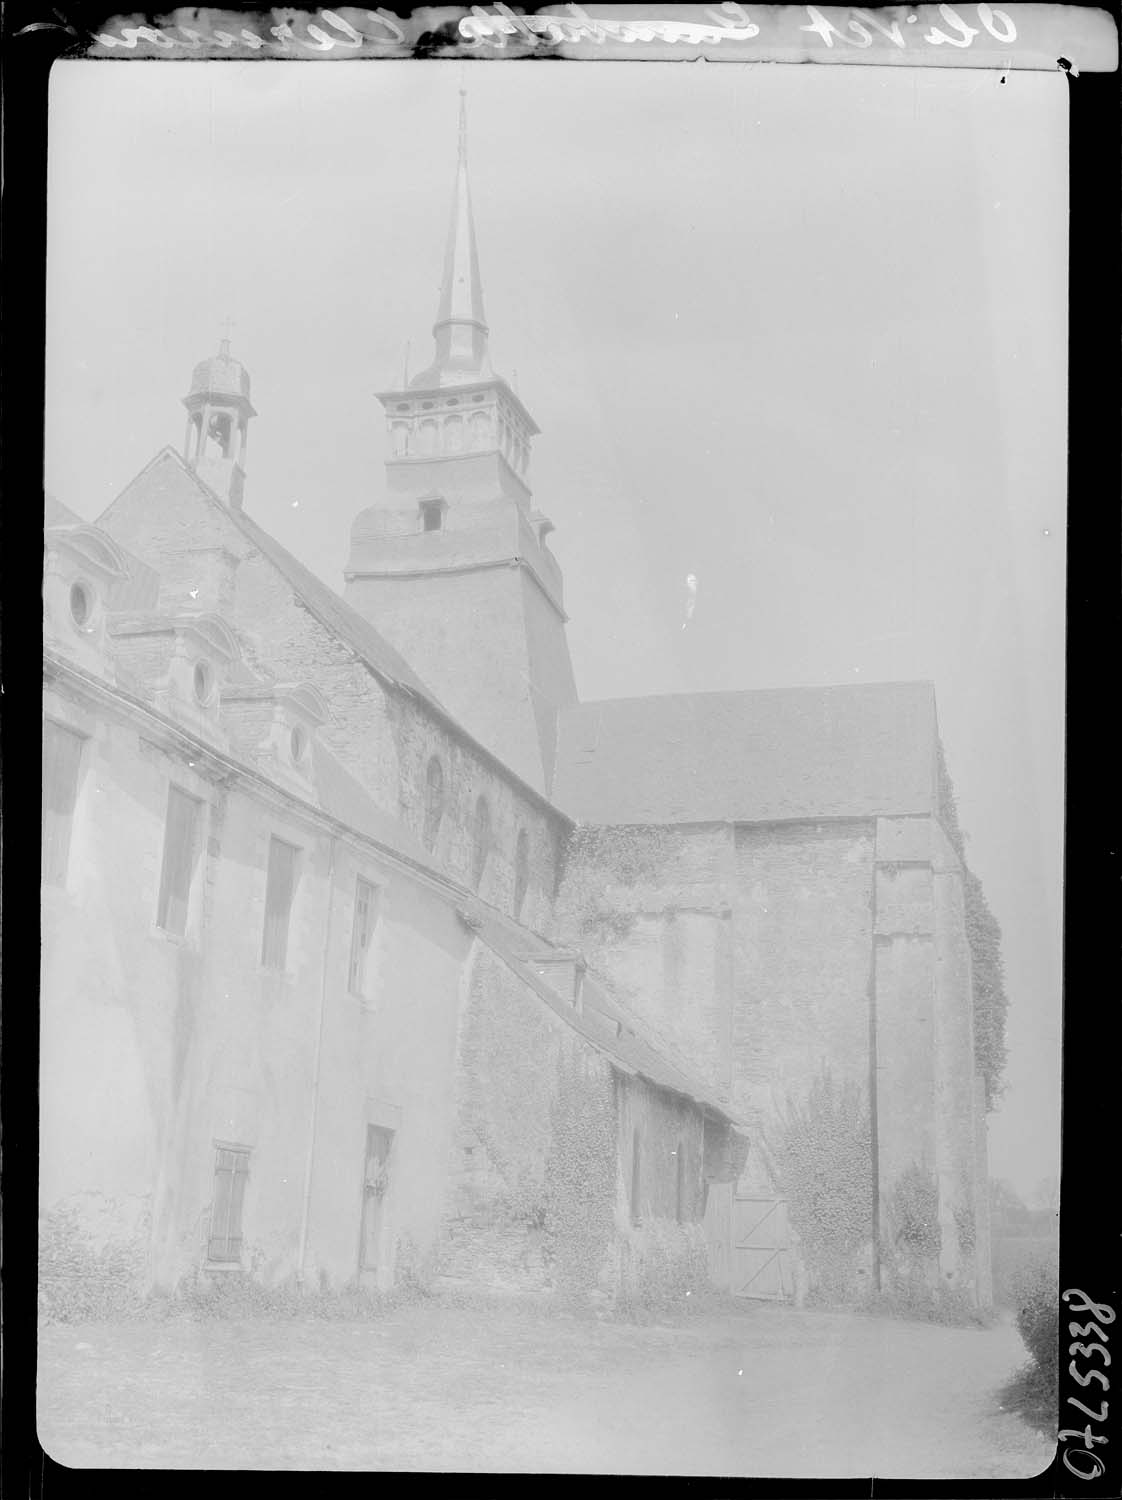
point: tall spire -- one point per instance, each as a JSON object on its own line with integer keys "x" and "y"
{"x": 460, "y": 329}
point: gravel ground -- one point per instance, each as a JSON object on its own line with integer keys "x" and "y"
{"x": 765, "y": 1392}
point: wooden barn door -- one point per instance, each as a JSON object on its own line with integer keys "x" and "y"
{"x": 761, "y": 1253}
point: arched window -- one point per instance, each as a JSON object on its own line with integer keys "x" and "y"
{"x": 636, "y": 1166}
{"x": 480, "y": 841}
{"x": 521, "y": 870}
{"x": 434, "y": 803}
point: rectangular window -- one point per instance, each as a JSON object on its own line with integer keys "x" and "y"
{"x": 62, "y": 759}
{"x": 231, "y": 1173}
{"x": 181, "y": 850}
{"x": 280, "y": 887}
{"x": 362, "y": 931}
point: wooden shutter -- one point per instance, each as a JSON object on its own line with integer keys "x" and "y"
{"x": 231, "y": 1173}
{"x": 62, "y": 758}
{"x": 279, "y": 887}
{"x": 180, "y": 850}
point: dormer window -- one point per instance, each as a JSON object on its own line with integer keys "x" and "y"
{"x": 432, "y": 514}
{"x": 298, "y": 745}
{"x": 81, "y": 604}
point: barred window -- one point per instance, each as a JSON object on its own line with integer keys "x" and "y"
{"x": 181, "y": 848}
{"x": 62, "y": 761}
{"x": 362, "y": 931}
{"x": 280, "y": 887}
{"x": 231, "y": 1173}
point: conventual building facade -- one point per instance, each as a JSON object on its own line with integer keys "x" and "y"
{"x": 370, "y": 952}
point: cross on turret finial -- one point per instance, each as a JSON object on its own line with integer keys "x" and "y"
{"x": 226, "y": 325}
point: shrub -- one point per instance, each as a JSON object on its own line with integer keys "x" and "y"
{"x": 667, "y": 1272}
{"x": 82, "y": 1282}
{"x": 913, "y": 1216}
{"x": 822, "y": 1148}
{"x": 914, "y": 1295}
{"x": 1035, "y": 1291}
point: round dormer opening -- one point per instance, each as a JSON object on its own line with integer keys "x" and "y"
{"x": 298, "y": 744}
{"x": 203, "y": 682}
{"x": 81, "y": 604}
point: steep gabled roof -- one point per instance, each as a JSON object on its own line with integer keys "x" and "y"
{"x": 137, "y": 589}
{"x": 771, "y": 755}
{"x": 334, "y": 613}
{"x": 345, "y": 623}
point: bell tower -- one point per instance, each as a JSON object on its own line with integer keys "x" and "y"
{"x": 451, "y": 563}
{"x": 218, "y": 413}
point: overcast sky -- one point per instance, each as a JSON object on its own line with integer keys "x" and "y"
{"x": 797, "y": 331}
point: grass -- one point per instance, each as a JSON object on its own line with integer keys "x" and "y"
{"x": 1032, "y": 1394}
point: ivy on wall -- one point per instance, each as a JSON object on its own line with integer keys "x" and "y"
{"x": 991, "y": 1003}
{"x": 599, "y": 857}
{"x": 912, "y": 1216}
{"x": 580, "y": 1176}
{"x": 822, "y": 1149}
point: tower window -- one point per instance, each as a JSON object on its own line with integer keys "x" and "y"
{"x": 480, "y": 841}
{"x": 432, "y": 514}
{"x": 434, "y": 803}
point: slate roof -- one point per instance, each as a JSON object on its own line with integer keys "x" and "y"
{"x": 334, "y": 613}
{"x": 140, "y": 590}
{"x": 601, "y": 1020}
{"x": 768, "y": 755}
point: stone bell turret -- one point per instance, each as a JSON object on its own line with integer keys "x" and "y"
{"x": 218, "y": 413}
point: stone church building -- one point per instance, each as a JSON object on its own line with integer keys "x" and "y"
{"x": 370, "y": 952}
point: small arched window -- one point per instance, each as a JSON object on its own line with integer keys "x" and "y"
{"x": 521, "y": 871}
{"x": 636, "y": 1168}
{"x": 434, "y": 803}
{"x": 480, "y": 841}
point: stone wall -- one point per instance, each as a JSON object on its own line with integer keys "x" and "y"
{"x": 383, "y": 735}
{"x": 541, "y": 1194}
{"x": 651, "y": 908}
{"x": 156, "y": 1047}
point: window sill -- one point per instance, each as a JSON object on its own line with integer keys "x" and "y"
{"x": 222, "y": 1266}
